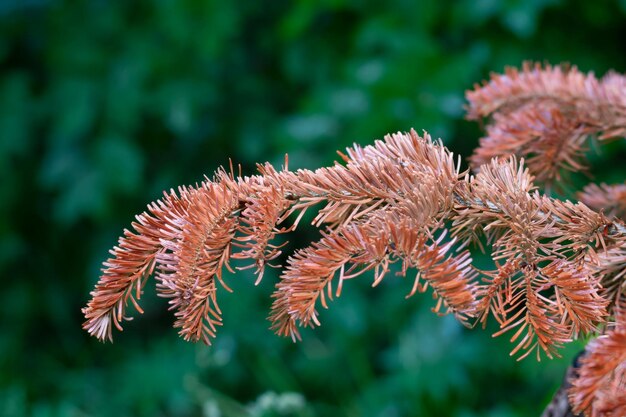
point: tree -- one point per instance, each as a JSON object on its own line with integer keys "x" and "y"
{"x": 558, "y": 266}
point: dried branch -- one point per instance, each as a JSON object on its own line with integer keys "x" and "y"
{"x": 191, "y": 262}
{"x": 558, "y": 266}
{"x": 190, "y": 238}
{"x": 372, "y": 245}
{"x": 385, "y": 205}
{"x": 545, "y": 114}
{"x": 133, "y": 261}
{"x": 600, "y": 385}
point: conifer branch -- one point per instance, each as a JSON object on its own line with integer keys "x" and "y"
{"x": 600, "y": 386}
{"x": 545, "y": 114}
{"x": 558, "y": 266}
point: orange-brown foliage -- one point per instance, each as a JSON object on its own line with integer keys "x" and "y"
{"x": 559, "y": 266}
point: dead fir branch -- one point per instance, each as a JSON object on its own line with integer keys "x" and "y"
{"x": 559, "y": 266}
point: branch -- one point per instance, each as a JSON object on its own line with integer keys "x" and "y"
{"x": 545, "y": 115}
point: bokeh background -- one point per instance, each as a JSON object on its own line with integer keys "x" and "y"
{"x": 104, "y": 104}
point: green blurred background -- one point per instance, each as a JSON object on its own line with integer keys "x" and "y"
{"x": 104, "y": 104}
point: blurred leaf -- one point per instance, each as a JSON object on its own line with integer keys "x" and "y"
{"x": 120, "y": 163}
{"x": 73, "y": 103}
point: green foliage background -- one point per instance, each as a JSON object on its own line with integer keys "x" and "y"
{"x": 105, "y": 104}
